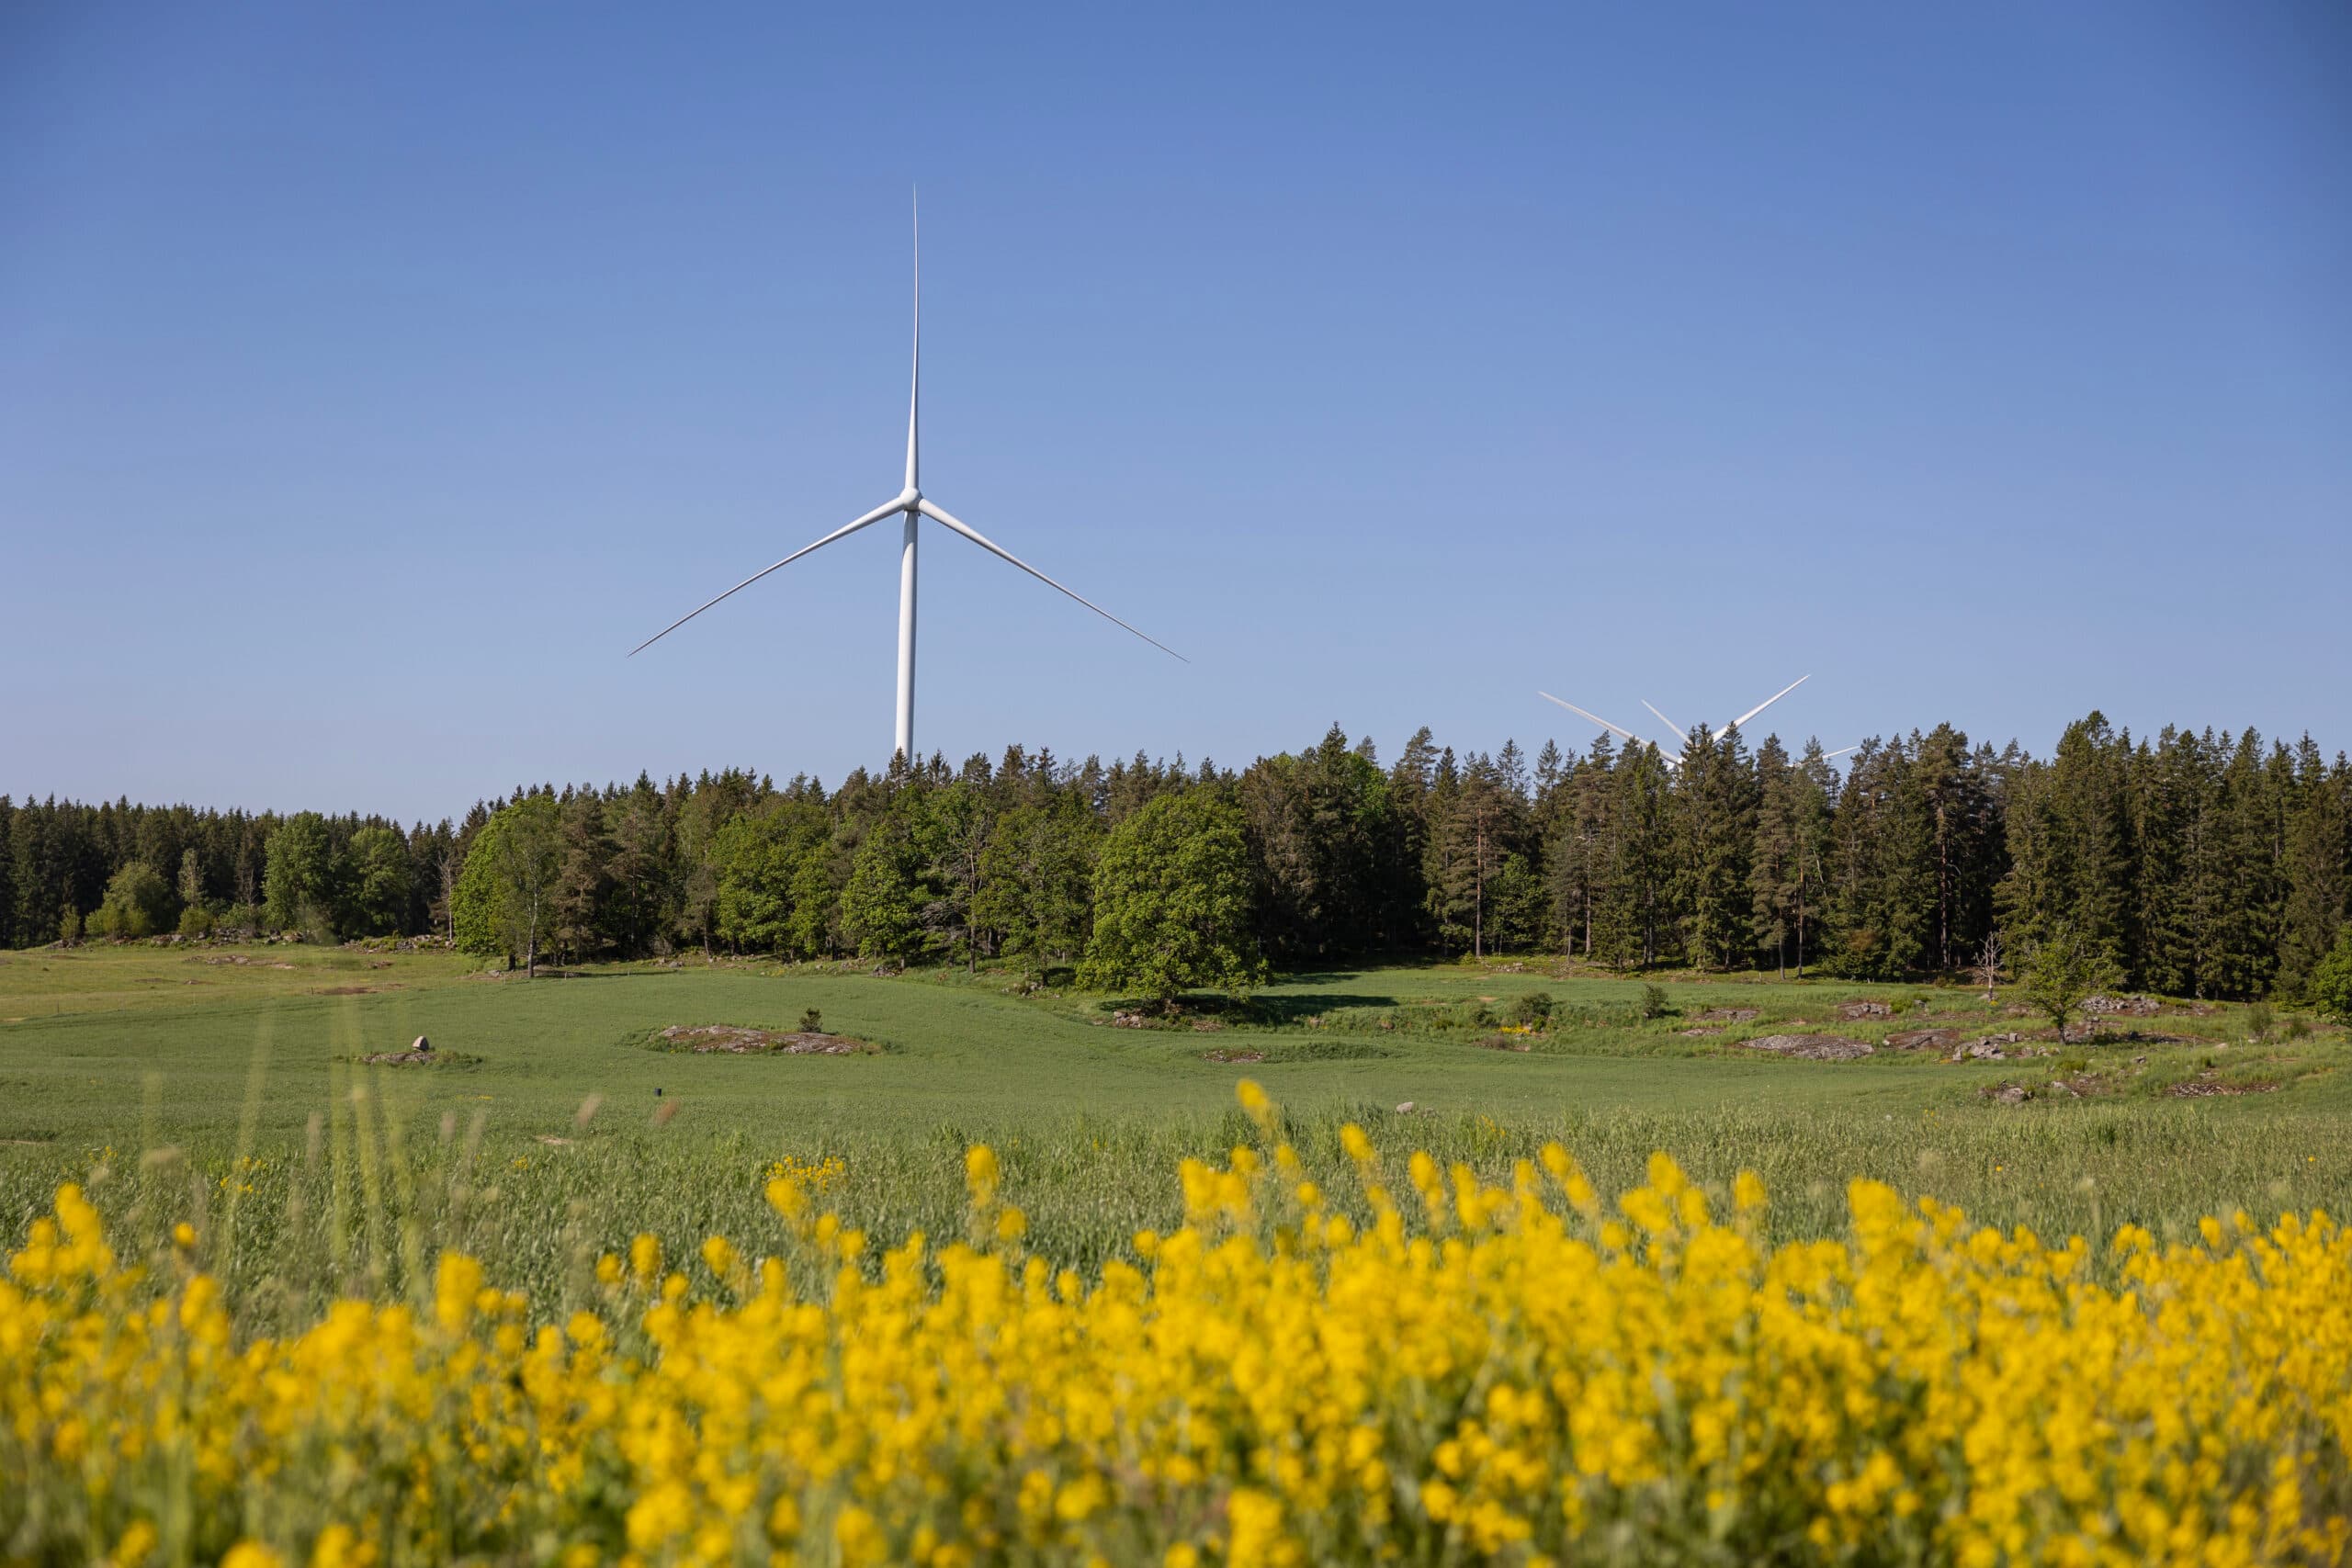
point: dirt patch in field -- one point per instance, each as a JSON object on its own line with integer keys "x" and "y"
{"x": 1854, "y": 1011}
{"x": 1697, "y": 1033}
{"x": 2205, "y": 1087}
{"x": 1223, "y": 1053}
{"x": 1924, "y": 1038}
{"x": 1730, "y": 1015}
{"x": 352, "y": 990}
{"x": 735, "y": 1040}
{"x": 1811, "y": 1047}
{"x": 240, "y": 959}
{"x": 1506, "y": 1043}
{"x": 417, "y": 1059}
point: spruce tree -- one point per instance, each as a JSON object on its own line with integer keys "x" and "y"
{"x": 1773, "y": 866}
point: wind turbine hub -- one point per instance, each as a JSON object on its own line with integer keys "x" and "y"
{"x": 909, "y": 498}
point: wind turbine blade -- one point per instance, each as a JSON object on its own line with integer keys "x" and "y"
{"x": 872, "y": 517}
{"x": 1839, "y": 752}
{"x": 944, "y": 521}
{"x": 1663, "y": 719}
{"x": 1595, "y": 717}
{"x": 1768, "y": 701}
{"x": 914, "y": 390}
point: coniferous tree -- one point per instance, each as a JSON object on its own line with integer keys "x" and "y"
{"x": 1716, "y": 835}
{"x": 1773, "y": 863}
{"x": 585, "y": 888}
{"x": 8, "y": 928}
{"x": 2316, "y": 869}
{"x": 1811, "y": 789}
{"x": 1642, "y": 919}
{"x": 1579, "y": 847}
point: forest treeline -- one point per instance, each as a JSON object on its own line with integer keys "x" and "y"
{"x": 2201, "y": 864}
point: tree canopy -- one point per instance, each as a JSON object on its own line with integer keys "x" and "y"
{"x": 1172, "y": 902}
{"x": 2200, "y": 863}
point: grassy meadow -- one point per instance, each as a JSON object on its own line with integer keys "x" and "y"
{"x": 224, "y": 1086}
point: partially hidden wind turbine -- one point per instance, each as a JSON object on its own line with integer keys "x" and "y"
{"x": 914, "y": 506}
{"x": 1674, "y": 758}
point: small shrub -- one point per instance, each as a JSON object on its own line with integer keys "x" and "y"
{"x": 2330, "y": 984}
{"x": 811, "y": 1022}
{"x": 2072, "y": 1064}
{"x": 1531, "y": 1010}
{"x": 2297, "y": 1027}
{"x": 1654, "y": 1003}
{"x": 2259, "y": 1021}
{"x": 196, "y": 920}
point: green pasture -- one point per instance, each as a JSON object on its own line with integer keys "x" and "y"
{"x": 177, "y": 1086}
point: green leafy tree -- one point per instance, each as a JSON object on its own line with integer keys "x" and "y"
{"x": 138, "y": 904}
{"x": 952, "y": 832}
{"x": 299, "y": 882}
{"x": 2331, "y": 982}
{"x": 882, "y": 904}
{"x": 191, "y": 883}
{"x": 759, "y": 858}
{"x": 1037, "y": 881}
{"x": 2064, "y": 969}
{"x": 505, "y": 896}
{"x": 377, "y": 882}
{"x": 197, "y": 915}
{"x": 1172, "y": 902}
{"x": 817, "y": 888}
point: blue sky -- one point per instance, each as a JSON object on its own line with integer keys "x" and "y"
{"x": 371, "y": 378}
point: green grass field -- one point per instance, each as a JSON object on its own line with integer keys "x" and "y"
{"x": 183, "y": 1084}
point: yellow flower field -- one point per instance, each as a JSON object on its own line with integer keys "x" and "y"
{"x": 1518, "y": 1373}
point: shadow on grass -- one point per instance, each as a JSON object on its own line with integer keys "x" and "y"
{"x": 1259, "y": 1010}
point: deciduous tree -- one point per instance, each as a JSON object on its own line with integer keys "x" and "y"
{"x": 1171, "y": 902}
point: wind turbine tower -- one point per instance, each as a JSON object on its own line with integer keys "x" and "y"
{"x": 914, "y": 506}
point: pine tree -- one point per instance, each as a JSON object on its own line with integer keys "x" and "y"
{"x": 1773, "y": 861}
{"x": 1717, "y": 791}
{"x": 2316, "y": 868}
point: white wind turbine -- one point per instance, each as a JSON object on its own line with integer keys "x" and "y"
{"x": 1674, "y": 758}
{"x": 911, "y": 504}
